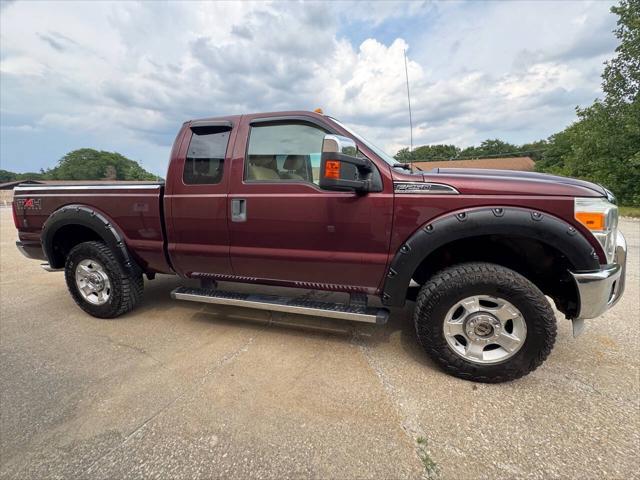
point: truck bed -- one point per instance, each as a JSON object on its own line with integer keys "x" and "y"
{"x": 134, "y": 207}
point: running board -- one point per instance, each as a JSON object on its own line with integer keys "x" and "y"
{"x": 357, "y": 312}
{"x": 49, "y": 268}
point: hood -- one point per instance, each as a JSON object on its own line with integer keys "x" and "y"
{"x": 505, "y": 182}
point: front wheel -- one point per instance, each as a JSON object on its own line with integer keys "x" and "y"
{"x": 99, "y": 283}
{"x": 484, "y": 322}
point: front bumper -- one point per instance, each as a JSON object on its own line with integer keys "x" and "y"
{"x": 600, "y": 290}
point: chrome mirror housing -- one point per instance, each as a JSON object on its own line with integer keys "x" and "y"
{"x": 339, "y": 144}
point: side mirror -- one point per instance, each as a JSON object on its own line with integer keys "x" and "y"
{"x": 340, "y": 168}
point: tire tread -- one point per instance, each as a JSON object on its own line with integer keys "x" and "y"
{"x": 127, "y": 284}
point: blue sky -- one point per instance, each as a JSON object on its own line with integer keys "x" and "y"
{"x": 123, "y": 76}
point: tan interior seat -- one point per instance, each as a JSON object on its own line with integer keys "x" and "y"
{"x": 262, "y": 167}
{"x": 295, "y": 167}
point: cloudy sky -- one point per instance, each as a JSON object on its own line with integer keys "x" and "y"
{"x": 123, "y": 76}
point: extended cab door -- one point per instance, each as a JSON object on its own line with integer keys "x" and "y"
{"x": 196, "y": 198}
{"x": 283, "y": 227}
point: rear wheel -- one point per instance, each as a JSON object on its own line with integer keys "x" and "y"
{"x": 99, "y": 283}
{"x": 484, "y": 322}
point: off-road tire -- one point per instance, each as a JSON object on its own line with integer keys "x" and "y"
{"x": 457, "y": 282}
{"x": 126, "y": 283}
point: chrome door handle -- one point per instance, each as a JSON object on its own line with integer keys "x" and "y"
{"x": 238, "y": 210}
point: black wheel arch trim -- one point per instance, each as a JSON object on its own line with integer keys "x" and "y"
{"x": 483, "y": 221}
{"x": 90, "y": 218}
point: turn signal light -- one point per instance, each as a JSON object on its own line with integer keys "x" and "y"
{"x": 332, "y": 169}
{"x": 591, "y": 220}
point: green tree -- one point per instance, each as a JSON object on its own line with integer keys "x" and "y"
{"x": 90, "y": 164}
{"x": 558, "y": 146}
{"x": 31, "y": 175}
{"x": 7, "y": 176}
{"x": 427, "y": 153}
{"x": 535, "y": 150}
{"x": 621, "y": 76}
{"x": 490, "y": 148}
{"x": 404, "y": 155}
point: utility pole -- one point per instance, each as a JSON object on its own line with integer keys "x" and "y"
{"x": 406, "y": 72}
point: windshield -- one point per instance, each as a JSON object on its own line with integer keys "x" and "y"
{"x": 377, "y": 150}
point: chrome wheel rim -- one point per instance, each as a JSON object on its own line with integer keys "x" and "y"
{"x": 93, "y": 282}
{"x": 484, "y": 329}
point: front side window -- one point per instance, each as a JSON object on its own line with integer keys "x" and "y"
{"x": 205, "y": 158}
{"x": 284, "y": 152}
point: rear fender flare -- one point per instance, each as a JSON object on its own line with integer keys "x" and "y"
{"x": 483, "y": 221}
{"x": 90, "y": 218}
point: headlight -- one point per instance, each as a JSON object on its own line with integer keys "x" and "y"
{"x": 601, "y": 217}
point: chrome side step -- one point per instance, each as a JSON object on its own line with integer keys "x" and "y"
{"x": 48, "y": 268}
{"x": 356, "y": 311}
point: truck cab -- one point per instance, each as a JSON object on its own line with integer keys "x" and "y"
{"x": 266, "y": 215}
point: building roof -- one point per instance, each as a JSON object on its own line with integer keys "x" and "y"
{"x": 15, "y": 183}
{"x": 525, "y": 164}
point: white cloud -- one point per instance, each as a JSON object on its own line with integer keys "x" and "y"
{"x": 126, "y": 75}
{"x": 21, "y": 66}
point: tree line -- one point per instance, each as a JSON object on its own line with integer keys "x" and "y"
{"x": 86, "y": 164}
{"x": 487, "y": 149}
{"x": 602, "y": 145}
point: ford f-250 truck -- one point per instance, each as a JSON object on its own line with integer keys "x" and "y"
{"x": 297, "y": 199}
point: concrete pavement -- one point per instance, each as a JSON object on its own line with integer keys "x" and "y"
{"x": 180, "y": 390}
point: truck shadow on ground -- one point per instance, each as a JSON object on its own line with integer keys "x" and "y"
{"x": 157, "y": 298}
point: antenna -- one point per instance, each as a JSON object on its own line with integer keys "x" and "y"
{"x": 406, "y": 72}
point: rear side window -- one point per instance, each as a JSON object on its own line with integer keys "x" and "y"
{"x": 205, "y": 158}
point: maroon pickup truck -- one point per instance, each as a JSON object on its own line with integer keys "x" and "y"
{"x": 297, "y": 199}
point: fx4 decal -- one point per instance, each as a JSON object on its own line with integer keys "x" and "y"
{"x": 29, "y": 204}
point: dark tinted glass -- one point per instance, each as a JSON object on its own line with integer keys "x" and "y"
{"x": 205, "y": 157}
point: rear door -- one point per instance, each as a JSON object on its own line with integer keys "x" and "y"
{"x": 283, "y": 227}
{"x": 196, "y": 198}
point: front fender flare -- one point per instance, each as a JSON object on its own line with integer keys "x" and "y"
{"x": 86, "y": 217}
{"x": 482, "y": 221}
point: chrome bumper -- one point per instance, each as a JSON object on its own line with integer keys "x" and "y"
{"x": 598, "y": 291}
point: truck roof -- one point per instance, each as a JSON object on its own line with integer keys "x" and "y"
{"x": 284, "y": 113}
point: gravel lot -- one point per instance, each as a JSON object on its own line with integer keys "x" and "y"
{"x": 187, "y": 391}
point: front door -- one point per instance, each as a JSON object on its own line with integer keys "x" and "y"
{"x": 283, "y": 227}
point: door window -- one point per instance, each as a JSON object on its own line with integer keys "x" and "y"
{"x": 284, "y": 152}
{"x": 205, "y": 158}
